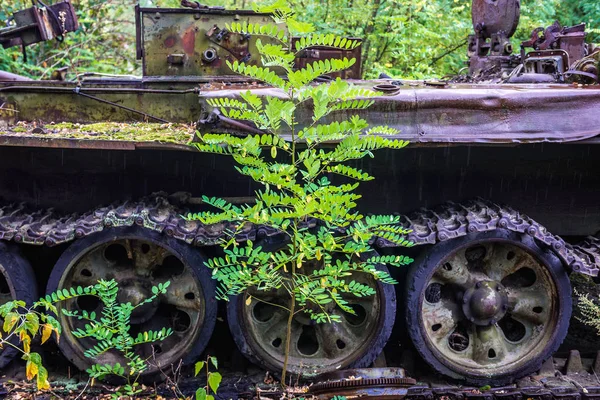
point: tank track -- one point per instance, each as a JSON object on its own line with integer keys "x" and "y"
{"x": 156, "y": 212}
{"x": 570, "y": 378}
{"x": 452, "y": 220}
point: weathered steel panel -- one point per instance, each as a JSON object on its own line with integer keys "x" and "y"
{"x": 185, "y": 42}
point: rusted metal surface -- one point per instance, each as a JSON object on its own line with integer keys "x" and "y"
{"x": 194, "y": 42}
{"x": 495, "y": 16}
{"x": 370, "y": 383}
{"x": 453, "y": 114}
{"x": 37, "y": 24}
{"x": 569, "y": 39}
{"x": 59, "y": 101}
{"x": 7, "y": 76}
{"x": 461, "y": 114}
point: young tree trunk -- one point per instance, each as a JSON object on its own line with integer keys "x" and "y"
{"x": 368, "y": 30}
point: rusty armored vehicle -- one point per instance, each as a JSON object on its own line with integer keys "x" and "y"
{"x": 499, "y": 185}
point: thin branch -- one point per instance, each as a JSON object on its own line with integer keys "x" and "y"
{"x": 447, "y": 52}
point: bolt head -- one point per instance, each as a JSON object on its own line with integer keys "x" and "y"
{"x": 478, "y": 285}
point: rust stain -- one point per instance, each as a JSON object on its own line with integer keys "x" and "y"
{"x": 188, "y": 40}
{"x": 170, "y": 41}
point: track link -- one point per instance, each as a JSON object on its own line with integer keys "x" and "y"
{"x": 429, "y": 226}
{"x": 571, "y": 378}
{"x": 452, "y": 220}
{"x": 155, "y": 212}
{"x": 19, "y": 224}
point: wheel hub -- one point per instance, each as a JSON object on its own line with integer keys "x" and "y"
{"x": 136, "y": 292}
{"x": 485, "y": 303}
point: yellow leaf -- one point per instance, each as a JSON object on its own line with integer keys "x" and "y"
{"x": 318, "y": 255}
{"x": 10, "y": 321}
{"x": 46, "y": 332}
{"x": 26, "y": 340}
{"x": 31, "y": 370}
{"x": 273, "y": 151}
{"x": 248, "y": 300}
{"x": 42, "y": 379}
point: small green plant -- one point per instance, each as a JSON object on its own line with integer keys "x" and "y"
{"x": 213, "y": 379}
{"x": 21, "y": 324}
{"x": 316, "y": 264}
{"x": 110, "y": 331}
{"x": 590, "y": 311}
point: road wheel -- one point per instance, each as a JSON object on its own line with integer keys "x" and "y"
{"x": 139, "y": 259}
{"x": 487, "y": 308}
{"x": 259, "y": 330}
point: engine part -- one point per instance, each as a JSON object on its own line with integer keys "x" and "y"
{"x": 488, "y": 307}
{"x": 493, "y": 16}
{"x": 138, "y": 259}
{"x": 259, "y": 330}
{"x": 570, "y": 39}
{"x": 494, "y": 22}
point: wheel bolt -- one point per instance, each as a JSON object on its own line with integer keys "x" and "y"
{"x": 498, "y": 288}
{"x": 471, "y": 319}
{"x": 504, "y": 307}
{"x": 477, "y": 285}
{"x": 493, "y": 322}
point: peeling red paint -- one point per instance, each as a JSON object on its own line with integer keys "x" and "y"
{"x": 188, "y": 40}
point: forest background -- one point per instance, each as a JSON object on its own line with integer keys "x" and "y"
{"x": 403, "y": 38}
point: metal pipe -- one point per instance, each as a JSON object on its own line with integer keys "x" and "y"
{"x": 240, "y": 125}
{"x": 120, "y": 106}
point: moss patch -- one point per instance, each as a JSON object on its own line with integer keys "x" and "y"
{"x": 130, "y": 132}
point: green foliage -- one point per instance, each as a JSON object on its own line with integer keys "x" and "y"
{"x": 104, "y": 43}
{"x": 21, "y": 324}
{"x": 213, "y": 378}
{"x": 110, "y": 331}
{"x": 590, "y": 311}
{"x": 415, "y": 39}
{"x": 317, "y": 266}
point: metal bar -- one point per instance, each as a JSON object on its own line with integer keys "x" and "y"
{"x": 120, "y": 106}
{"x": 96, "y": 90}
